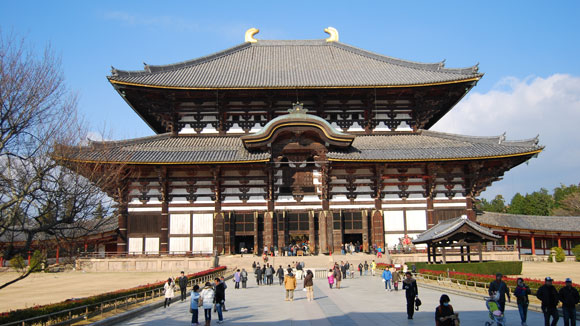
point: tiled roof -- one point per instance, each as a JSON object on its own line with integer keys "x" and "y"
{"x": 291, "y": 64}
{"x": 446, "y": 227}
{"x": 530, "y": 222}
{"x": 422, "y": 146}
{"x": 430, "y": 145}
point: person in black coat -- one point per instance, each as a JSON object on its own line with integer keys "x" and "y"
{"x": 548, "y": 294}
{"x": 444, "y": 314}
{"x": 258, "y": 273}
{"x": 499, "y": 286}
{"x": 570, "y": 298}
{"x": 280, "y": 274}
{"x": 220, "y": 297}
{"x": 411, "y": 293}
{"x": 182, "y": 281}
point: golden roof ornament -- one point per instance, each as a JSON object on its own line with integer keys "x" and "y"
{"x": 333, "y": 34}
{"x": 250, "y": 35}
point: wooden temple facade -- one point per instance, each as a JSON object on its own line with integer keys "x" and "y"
{"x": 271, "y": 142}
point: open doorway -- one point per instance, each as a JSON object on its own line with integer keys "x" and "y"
{"x": 246, "y": 242}
{"x": 354, "y": 238}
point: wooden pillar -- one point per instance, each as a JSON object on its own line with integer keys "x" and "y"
{"x": 505, "y": 238}
{"x": 58, "y": 253}
{"x": 281, "y": 230}
{"x": 122, "y": 216}
{"x": 323, "y": 230}
{"x": 86, "y": 246}
{"x": 559, "y": 240}
{"x": 335, "y": 234}
{"x": 469, "y": 254}
{"x": 533, "y": 244}
{"x": 311, "y": 231}
{"x": 480, "y": 247}
{"x": 428, "y": 253}
{"x": 164, "y": 232}
{"x": 462, "y": 258}
{"x": 377, "y": 226}
{"x": 257, "y": 250}
{"x": 434, "y": 253}
{"x": 443, "y": 254}
{"x": 229, "y": 233}
{"x": 268, "y": 229}
{"x": 365, "y": 227}
{"x": 430, "y": 213}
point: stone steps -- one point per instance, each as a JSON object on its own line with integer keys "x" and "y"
{"x": 319, "y": 261}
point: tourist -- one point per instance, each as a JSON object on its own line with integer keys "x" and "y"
{"x": 548, "y": 294}
{"x": 330, "y": 277}
{"x": 182, "y": 281}
{"x": 366, "y": 268}
{"x": 411, "y": 293}
{"x": 342, "y": 250}
{"x": 264, "y": 278}
{"x": 258, "y": 273}
{"x": 219, "y": 298}
{"x": 396, "y": 279}
{"x": 280, "y": 274}
{"x": 223, "y": 280}
{"x": 387, "y": 276}
{"x": 337, "y": 276}
{"x": 244, "y": 276}
{"x": 444, "y": 314}
{"x": 290, "y": 285}
{"x": 373, "y": 267}
{"x": 499, "y": 290}
{"x": 308, "y": 285}
{"x": 254, "y": 265}
{"x": 379, "y": 252}
{"x": 343, "y": 269}
{"x": 207, "y": 296}
{"x": 169, "y": 289}
{"x": 360, "y": 269}
{"x": 299, "y": 270}
{"x": 570, "y": 298}
{"x": 194, "y": 306}
{"x": 521, "y": 293}
{"x": 237, "y": 279}
{"x": 269, "y": 273}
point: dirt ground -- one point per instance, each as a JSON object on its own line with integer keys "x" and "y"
{"x": 557, "y": 271}
{"x": 44, "y": 288}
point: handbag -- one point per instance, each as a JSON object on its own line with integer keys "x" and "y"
{"x": 417, "y": 303}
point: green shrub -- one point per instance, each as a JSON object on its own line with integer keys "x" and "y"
{"x": 560, "y": 254}
{"x": 576, "y": 252}
{"x": 36, "y": 261}
{"x": 491, "y": 267}
{"x": 18, "y": 263}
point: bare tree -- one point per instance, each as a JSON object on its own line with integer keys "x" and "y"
{"x": 42, "y": 195}
{"x": 569, "y": 206}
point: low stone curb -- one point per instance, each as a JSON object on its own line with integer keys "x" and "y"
{"x": 481, "y": 297}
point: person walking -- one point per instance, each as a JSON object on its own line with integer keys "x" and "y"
{"x": 309, "y": 285}
{"x": 194, "y": 306}
{"x": 343, "y": 269}
{"x": 548, "y": 294}
{"x": 169, "y": 289}
{"x": 373, "y": 268}
{"x": 337, "y": 277}
{"x": 280, "y": 274}
{"x": 499, "y": 289}
{"x": 182, "y": 281}
{"x": 244, "y": 276}
{"x": 521, "y": 293}
{"x": 237, "y": 279}
{"x": 387, "y": 276}
{"x": 269, "y": 275}
{"x": 207, "y": 296}
{"x": 330, "y": 277}
{"x": 570, "y": 298}
{"x": 366, "y": 268}
{"x": 444, "y": 314}
{"x": 264, "y": 278}
{"x": 360, "y": 269}
{"x": 290, "y": 285}
{"x": 411, "y": 293}
{"x": 396, "y": 279}
{"x": 258, "y": 273}
{"x": 219, "y": 298}
{"x": 223, "y": 281}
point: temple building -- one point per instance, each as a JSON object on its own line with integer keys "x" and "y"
{"x": 271, "y": 142}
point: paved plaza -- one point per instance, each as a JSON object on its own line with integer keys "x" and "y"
{"x": 360, "y": 301}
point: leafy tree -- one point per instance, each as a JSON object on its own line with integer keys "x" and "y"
{"x": 537, "y": 203}
{"x": 497, "y": 204}
{"x": 517, "y": 204}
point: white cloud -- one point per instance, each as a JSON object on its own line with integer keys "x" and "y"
{"x": 549, "y": 107}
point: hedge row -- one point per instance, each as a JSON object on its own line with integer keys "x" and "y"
{"x": 510, "y": 281}
{"x": 489, "y": 268}
{"x": 22, "y": 314}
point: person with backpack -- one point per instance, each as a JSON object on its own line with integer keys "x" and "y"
{"x": 194, "y": 306}
{"x": 169, "y": 288}
{"x": 444, "y": 314}
{"x": 387, "y": 276}
{"x": 569, "y": 297}
{"x": 411, "y": 293}
{"x": 521, "y": 293}
{"x": 244, "y": 277}
{"x": 548, "y": 294}
{"x": 206, "y": 297}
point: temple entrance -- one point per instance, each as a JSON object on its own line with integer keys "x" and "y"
{"x": 353, "y": 238}
{"x": 246, "y": 242}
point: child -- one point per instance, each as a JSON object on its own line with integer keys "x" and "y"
{"x": 330, "y": 278}
{"x": 194, "y": 306}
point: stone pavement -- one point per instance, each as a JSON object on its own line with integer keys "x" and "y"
{"x": 360, "y": 301}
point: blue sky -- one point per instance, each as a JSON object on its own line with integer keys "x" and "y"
{"x": 522, "y": 46}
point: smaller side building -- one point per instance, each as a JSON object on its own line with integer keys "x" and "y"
{"x": 534, "y": 235}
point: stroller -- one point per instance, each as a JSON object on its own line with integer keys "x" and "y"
{"x": 496, "y": 316}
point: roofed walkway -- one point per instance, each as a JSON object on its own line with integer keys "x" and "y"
{"x": 361, "y": 301}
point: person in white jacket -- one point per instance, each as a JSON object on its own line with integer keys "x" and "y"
{"x": 206, "y": 296}
{"x": 169, "y": 289}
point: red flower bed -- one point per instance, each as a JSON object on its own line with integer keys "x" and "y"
{"x": 484, "y": 278}
{"x": 21, "y": 314}
{"x": 383, "y": 266}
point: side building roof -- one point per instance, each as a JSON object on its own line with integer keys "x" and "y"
{"x": 530, "y": 222}
{"x": 446, "y": 228}
{"x": 420, "y": 146}
{"x": 293, "y": 64}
